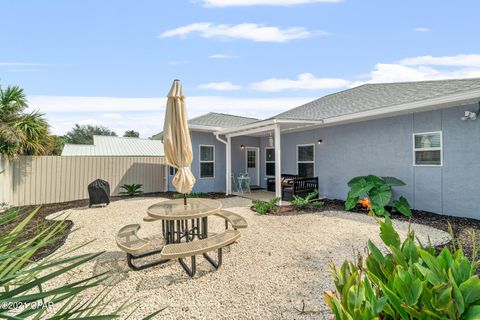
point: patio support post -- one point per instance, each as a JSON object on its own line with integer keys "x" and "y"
{"x": 278, "y": 164}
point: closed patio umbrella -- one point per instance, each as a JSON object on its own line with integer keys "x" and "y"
{"x": 176, "y": 140}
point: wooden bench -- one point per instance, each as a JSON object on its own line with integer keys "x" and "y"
{"x": 235, "y": 220}
{"x": 128, "y": 240}
{"x": 299, "y": 187}
{"x": 191, "y": 249}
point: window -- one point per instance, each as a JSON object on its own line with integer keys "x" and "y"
{"x": 306, "y": 160}
{"x": 270, "y": 162}
{"x": 251, "y": 159}
{"x": 207, "y": 161}
{"x": 427, "y": 149}
{"x": 173, "y": 170}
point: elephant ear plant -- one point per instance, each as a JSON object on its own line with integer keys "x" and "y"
{"x": 375, "y": 193}
{"x": 409, "y": 282}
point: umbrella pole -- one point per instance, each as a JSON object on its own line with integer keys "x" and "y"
{"x": 184, "y": 199}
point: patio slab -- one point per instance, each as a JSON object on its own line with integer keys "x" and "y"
{"x": 279, "y": 263}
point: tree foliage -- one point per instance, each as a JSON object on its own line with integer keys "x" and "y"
{"x": 131, "y": 134}
{"x": 83, "y": 134}
{"x": 21, "y": 133}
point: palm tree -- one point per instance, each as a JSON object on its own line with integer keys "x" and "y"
{"x": 21, "y": 133}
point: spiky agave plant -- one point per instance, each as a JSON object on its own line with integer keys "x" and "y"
{"x": 24, "y": 292}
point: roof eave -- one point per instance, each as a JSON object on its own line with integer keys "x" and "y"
{"x": 256, "y": 126}
{"x": 447, "y": 101}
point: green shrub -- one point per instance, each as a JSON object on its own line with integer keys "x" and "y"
{"x": 131, "y": 189}
{"x": 190, "y": 195}
{"x": 375, "y": 193}
{"x": 266, "y": 207}
{"x": 303, "y": 202}
{"x": 409, "y": 282}
{"x": 23, "y": 290}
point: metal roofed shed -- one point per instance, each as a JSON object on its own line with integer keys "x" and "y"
{"x": 116, "y": 146}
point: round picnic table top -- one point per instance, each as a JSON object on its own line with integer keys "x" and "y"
{"x": 176, "y": 210}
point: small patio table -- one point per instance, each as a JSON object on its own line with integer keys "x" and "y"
{"x": 243, "y": 180}
{"x": 181, "y": 221}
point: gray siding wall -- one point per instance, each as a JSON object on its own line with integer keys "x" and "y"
{"x": 216, "y": 184}
{"x": 382, "y": 147}
{"x": 239, "y": 164}
{"x": 385, "y": 147}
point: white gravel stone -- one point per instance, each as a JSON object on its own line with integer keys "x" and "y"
{"x": 279, "y": 264}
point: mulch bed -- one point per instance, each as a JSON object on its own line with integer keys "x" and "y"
{"x": 462, "y": 227}
{"x": 31, "y": 229}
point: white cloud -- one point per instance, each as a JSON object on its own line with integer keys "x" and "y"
{"x": 26, "y": 70}
{"x": 230, "y": 3}
{"x": 146, "y": 114}
{"x": 423, "y": 68}
{"x": 421, "y": 29}
{"x": 461, "y": 60}
{"x": 246, "y": 31}
{"x": 305, "y": 81}
{"x": 221, "y": 56}
{"x": 21, "y": 64}
{"x": 220, "y": 86}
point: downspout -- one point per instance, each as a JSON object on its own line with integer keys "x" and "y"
{"x": 227, "y": 162}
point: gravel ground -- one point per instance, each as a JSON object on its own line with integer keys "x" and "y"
{"x": 278, "y": 266}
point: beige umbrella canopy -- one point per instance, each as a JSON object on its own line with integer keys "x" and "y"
{"x": 176, "y": 139}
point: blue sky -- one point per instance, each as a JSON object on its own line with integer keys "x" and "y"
{"x": 112, "y": 62}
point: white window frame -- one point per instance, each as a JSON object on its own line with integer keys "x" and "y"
{"x": 268, "y": 161}
{"x": 170, "y": 169}
{"x": 428, "y": 149}
{"x": 200, "y": 161}
{"x": 305, "y": 145}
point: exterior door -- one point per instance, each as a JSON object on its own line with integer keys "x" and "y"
{"x": 252, "y": 166}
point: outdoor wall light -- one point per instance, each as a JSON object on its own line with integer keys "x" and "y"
{"x": 242, "y": 146}
{"x": 469, "y": 115}
{"x": 320, "y": 141}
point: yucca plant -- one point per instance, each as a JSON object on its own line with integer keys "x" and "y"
{"x": 266, "y": 207}
{"x": 303, "y": 202}
{"x": 131, "y": 189}
{"x": 24, "y": 292}
{"x": 409, "y": 282}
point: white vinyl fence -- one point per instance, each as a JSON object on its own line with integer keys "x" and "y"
{"x": 31, "y": 180}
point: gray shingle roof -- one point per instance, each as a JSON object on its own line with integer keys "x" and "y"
{"x": 215, "y": 120}
{"x": 115, "y": 146}
{"x": 375, "y": 96}
{"x": 222, "y": 120}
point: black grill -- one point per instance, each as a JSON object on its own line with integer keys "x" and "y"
{"x": 99, "y": 192}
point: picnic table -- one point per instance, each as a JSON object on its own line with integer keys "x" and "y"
{"x": 181, "y": 224}
{"x": 184, "y": 222}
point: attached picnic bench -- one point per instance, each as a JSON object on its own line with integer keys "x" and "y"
{"x": 235, "y": 220}
{"x": 136, "y": 248}
{"x": 193, "y": 248}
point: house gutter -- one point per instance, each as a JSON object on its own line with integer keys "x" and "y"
{"x": 228, "y": 167}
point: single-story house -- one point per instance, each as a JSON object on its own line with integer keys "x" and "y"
{"x": 108, "y": 146}
{"x": 424, "y": 133}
